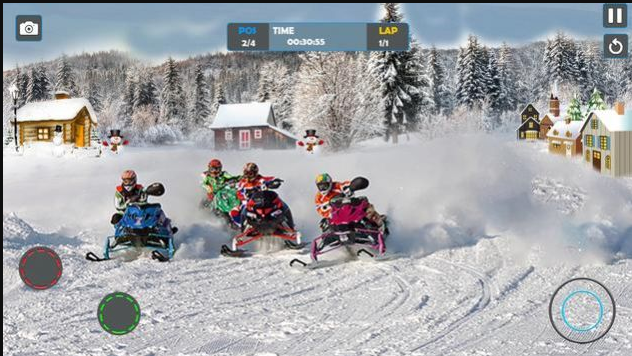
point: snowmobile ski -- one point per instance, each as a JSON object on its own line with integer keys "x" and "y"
{"x": 294, "y": 246}
{"x": 228, "y": 252}
{"x": 158, "y": 256}
{"x": 298, "y": 264}
{"x": 92, "y": 257}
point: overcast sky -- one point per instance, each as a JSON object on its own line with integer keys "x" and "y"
{"x": 156, "y": 31}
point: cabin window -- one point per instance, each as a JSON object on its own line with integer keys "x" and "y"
{"x": 228, "y": 135}
{"x": 524, "y": 117}
{"x": 608, "y": 162}
{"x": 531, "y": 125}
{"x": 43, "y": 133}
{"x": 522, "y": 135}
{"x": 568, "y": 134}
{"x": 530, "y": 109}
{"x": 587, "y": 155}
{"x": 603, "y": 143}
{"x": 594, "y": 124}
{"x": 589, "y": 140}
{"x": 257, "y": 134}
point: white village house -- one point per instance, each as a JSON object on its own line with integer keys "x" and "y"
{"x": 249, "y": 125}
{"x": 73, "y": 117}
{"x": 607, "y": 137}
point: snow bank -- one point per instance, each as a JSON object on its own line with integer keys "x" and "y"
{"x": 443, "y": 193}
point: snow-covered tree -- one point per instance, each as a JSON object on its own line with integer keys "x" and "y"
{"x": 399, "y": 75}
{"x": 128, "y": 97}
{"x": 560, "y": 60}
{"x": 507, "y": 78}
{"x": 493, "y": 87}
{"x": 65, "y": 78}
{"x": 581, "y": 75}
{"x": 144, "y": 90}
{"x": 21, "y": 82}
{"x": 438, "y": 89}
{"x": 92, "y": 91}
{"x": 172, "y": 100}
{"x": 596, "y": 101}
{"x": 201, "y": 111}
{"x": 220, "y": 97}
{"x": 334, "y": 97}
{"x": 38, "y": 84}
{"x": 472, "y": 74}
{"x": 266, "y": 88}
{"x": 574, "y": 110}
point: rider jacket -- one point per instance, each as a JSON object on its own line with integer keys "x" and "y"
{"x": 123, "y": 197}
{"x": 322, "y": 200}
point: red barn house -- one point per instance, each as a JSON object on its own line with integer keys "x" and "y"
{"x": 247, "y": 126}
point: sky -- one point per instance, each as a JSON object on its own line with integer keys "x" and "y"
{"x": 154, "y": 32}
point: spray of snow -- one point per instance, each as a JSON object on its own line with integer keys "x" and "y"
{"x": 444, "y": 193}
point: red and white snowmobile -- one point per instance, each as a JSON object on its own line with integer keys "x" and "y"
{"x": 265, "y": 216}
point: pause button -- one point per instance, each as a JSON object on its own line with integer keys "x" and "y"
{"x": 615, "y": 15}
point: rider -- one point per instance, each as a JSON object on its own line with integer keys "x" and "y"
{"x": 128, "y": 192}
{"x": 215, "y": 178}
{"x": 329, "y": 189}
{"x": 250, "y": 182}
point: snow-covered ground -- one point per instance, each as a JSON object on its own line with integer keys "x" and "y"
{"x": 486, "y": 228}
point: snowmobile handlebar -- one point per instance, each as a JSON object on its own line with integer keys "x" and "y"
{"x": 358, "y": 183}
{"x": 155, "y": 189}
{"x": 273, "y": 184}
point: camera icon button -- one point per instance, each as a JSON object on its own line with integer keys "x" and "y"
{"x": 28, "y": 28}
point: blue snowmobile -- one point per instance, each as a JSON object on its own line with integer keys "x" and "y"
{"x": 144, "y": 228}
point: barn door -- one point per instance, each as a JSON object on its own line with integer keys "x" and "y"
{"x": 244, "y": 139}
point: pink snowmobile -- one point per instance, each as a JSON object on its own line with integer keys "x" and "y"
{"x": 349, "y": 227}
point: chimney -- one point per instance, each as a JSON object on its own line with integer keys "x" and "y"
{"x": 619, "y": 107}
{"x": 61, "y": 95}
{"x": 554, "y": 106}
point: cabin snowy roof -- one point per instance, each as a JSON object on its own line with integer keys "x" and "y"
{"x": 243, "y": 115}
{"x": 613, "y": 121}
{"x": 562, "y": 128}
{"x": 55, "y": 110}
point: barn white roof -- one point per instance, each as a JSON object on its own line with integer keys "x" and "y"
{"x": 58, "y": 110}
{"x": 243, "y": 115}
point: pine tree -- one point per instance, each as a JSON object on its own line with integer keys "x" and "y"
{"x": 581, "y": 75}
{"x": 65, "y": 77}
{"x": 493, "y": 89}
{"x": 220, "y": 96}
{"x": 399, "y": 75}
{"x": 472, "y": 76}
{"x": 507, "y": 79}
{"x": 172, "y": 101}
{"x": 437, "y": 86}
{"x": 265, "y": 91}
{"x": 596, "y": 101}
{"x": 575, "y": 110}
{"x": 92, "y": 92}
{"x": 145, "y": 90}
{"x": 560, "y": 60}
{"x": 201, "y": 110}
{"x": 129, "y": 95}
{"x": 21, "y": 81}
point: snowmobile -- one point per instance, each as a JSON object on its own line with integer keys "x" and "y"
{"x": 349, "y": 228}
{"x": 265, "y": 216}
{"x": 144, "y": 228}
{"x": 224, "y": 200}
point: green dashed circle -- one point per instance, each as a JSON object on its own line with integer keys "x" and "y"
{"x": 107, "y": 309}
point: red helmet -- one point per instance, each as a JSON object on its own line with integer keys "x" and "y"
{"x": 250, "y": 170}
{"x": 215, "y": 167}
{"x": 129, "y": 178}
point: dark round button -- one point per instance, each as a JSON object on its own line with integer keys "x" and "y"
{"x": 40, "y": 268}
{"x": 118, "y": 313}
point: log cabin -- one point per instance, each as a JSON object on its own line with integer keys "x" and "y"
{"x": 37, "y": 121}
